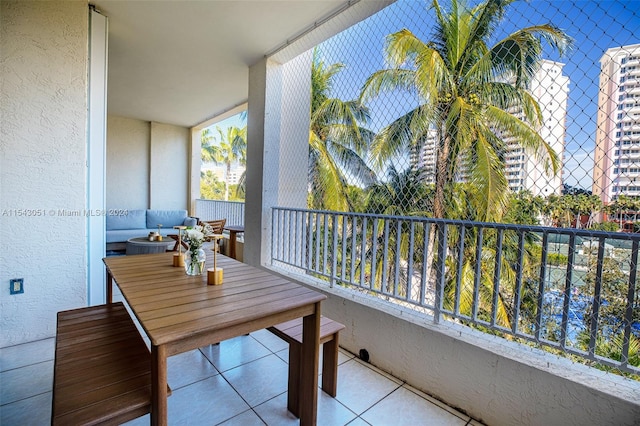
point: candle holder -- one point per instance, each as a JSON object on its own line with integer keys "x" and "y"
{"x": 215, "y": 275}
{"x": 178, "y": 258}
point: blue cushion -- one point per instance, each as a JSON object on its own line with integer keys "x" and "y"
{"x": 167, "y": 218}
{"x": 134, "y": 219}
{"x": 190, "y": 222}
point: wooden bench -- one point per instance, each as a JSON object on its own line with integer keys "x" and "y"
{"x": 291, "y": 332}
{"x": 102, "y": 368}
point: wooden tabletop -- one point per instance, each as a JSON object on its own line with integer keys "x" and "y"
{"x": 181, "y": 313}
{"x": 172, "y": 306}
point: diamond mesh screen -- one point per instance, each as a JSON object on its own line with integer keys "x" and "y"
{"x": 522, "y": 113}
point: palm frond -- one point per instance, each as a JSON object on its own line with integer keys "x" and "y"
{"x": 394, "y": 139}
{"x": 387, "y": 80}
{"x": 526, "y": 136}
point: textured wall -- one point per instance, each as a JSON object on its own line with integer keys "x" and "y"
{"x": 147, "y": 164}
{"x": 43, "y": 116}
{"x": 169, "y": 166}
{"x": 127, "y": 163}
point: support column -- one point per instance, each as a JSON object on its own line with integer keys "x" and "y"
{"x": 277, "y": 147}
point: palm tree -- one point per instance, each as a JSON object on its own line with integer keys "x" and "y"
{"x": 473, "y": 96}
{"x": 558, "y": 209}
{"x": 404, "y": 194}
{"x": 337, "y": 142}
{"x": 232, "y": 147}
{"x": 524, "y": 208}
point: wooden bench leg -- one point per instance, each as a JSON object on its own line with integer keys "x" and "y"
{"x": 330, "y": 366}
{"x": 293, "y": 396}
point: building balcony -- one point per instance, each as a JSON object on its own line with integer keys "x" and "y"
{"x": 419, "y": 336}
{"x": 416, "y": 332}
{"x": 427, "y": 330}
{"x": 240, "y": 381}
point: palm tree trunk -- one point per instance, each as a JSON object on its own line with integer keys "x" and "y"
{"x": 442, "y": 180}
{"x": 226, "y": 182}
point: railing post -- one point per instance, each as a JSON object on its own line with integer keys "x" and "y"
{"x": 628, "y": 316}
{"x": 441, "y": 228}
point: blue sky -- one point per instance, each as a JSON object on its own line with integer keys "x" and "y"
{"x": 595, "y": 27}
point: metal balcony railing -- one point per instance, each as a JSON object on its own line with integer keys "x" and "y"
{"x": 572, "y": 290}
{"x": 233, "y": 211}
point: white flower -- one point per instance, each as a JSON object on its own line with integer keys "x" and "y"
{"x": 196, "y": 236}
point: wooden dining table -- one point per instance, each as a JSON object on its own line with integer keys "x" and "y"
{"x": 180, "y": 313}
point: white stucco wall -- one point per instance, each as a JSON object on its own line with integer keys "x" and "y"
{"x": 43, "y": 116}
{"x": 128, "y": 145}
{"x": 147, "y": 164}
{"x": 169, "y": 166}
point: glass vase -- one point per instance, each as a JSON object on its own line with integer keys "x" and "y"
{"x": 194, "y": 261}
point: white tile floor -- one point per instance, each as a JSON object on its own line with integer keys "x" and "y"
{"x": 242, "y": 381}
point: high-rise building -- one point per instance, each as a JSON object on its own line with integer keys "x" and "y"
{"x": 426, "y": 159}
{"x": 523, "y": 169}
{"x": 616, "y": 168}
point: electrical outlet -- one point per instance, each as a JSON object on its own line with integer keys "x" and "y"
{"x": 16, "y": 286}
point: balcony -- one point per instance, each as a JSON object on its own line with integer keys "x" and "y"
{"x": 240, "y": 381}
{"x": 422, "y": 338}
{"x": 418, "y": 327}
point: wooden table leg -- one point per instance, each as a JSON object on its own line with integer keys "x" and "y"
{"x": 232, "y": 243}
{"x": 158, "y": 385}
{"x": 109, "y": 287}
{"x": 309, "y": 368}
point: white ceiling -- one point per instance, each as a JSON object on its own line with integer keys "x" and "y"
{"x": 183, "y": 62}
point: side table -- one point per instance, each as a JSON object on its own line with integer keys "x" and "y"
{"x": 142, "y": 245}
{"x": 233, "y": 232}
